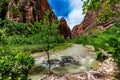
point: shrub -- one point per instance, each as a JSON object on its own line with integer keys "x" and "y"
{"x": 14, "y": 65}
{"x": 101, "y": 56}
{"x": 3, "y": 37}
{"x": 15, "y": 28}
{"x": 108, "y": 40}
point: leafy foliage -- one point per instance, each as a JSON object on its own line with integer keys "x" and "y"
{"x": 95, "y": 5}
{"x": 19, "y": 33}
{"x": 100, "y": 56}
{"x": 16, "y": 37}
{"x": 108, "y": 40}
{"x": 107, "y": 8}
{"x": 91, "y": 5}
{"x": 15, "y": 28}
{"x": 14, "y": 65}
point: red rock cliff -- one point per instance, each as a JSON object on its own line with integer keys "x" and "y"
{"x": 34, "y": 10}
{"x": 64, "y": 28}
{"x": 30, "y": 10}
{"x": 89, "y": 21}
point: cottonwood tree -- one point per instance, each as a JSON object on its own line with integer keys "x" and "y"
{"x": 49, "y": 34}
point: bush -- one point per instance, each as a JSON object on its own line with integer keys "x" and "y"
{"x": 14, "y": 65}
{"x": 3, "y": 37}
{"x": 100, "y": 56}
{"x": 108, "y": 40}
{"x": 15, "y": 28}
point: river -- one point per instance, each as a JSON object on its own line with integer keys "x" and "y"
{"x": 84, "y": 58}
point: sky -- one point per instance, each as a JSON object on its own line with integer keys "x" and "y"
{"x": 71, "y": 10}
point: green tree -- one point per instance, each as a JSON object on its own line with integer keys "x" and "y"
{"x": 49, "y": 32}
{"x": 14, "y": 65}
{"x": 107, "y": 7}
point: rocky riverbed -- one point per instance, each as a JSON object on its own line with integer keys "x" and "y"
{"x": 74, "y": 63}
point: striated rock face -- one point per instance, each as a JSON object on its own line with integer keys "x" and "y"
{"x": 77, "y": 30}
{"x": 89, "y": 21}
{"x": 42, "y": 6}
{"x": 64, "y": 28}
{"x": 30, "y": 10}
{"x": 34, "y": 10}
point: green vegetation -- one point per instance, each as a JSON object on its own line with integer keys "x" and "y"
{"x": 108, "y": 40}
{"x": 96, "y": 5}
{"x": 100, "y": 56}
{"x": 61, "y": 46}
{"x": 18, "y": 39}
{"x": 29, "y": 36}
{"x": 107, "y": 8}
{"x": 14, "y": 65}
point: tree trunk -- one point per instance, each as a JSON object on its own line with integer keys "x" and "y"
{"x": 49, "y": 65}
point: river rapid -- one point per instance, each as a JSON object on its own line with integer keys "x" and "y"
{"x": 74, "y": 59}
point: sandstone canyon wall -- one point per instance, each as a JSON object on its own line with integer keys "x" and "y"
{"x": 64, "y": 28}
{"x": 34, "y": 10}
{"x": 30, "y": 10}
{"x": 90, "y": 22}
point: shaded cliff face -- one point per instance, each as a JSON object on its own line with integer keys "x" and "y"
{"x": 89, "y": 21}
{"x": 64, "y": 28}
{"x": 77, "y": 30}
{"x": 30, "y": 10}
{"x": 34, "y": 10}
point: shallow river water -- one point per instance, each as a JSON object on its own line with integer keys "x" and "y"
{"x": 85, "y": 58}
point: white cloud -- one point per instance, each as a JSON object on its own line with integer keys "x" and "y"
{"x": 59, "y": 17}
{"x": 75, "y": 16}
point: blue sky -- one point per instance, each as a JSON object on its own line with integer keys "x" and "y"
{"x": 71, "y": 10}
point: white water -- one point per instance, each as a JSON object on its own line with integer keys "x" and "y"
{"x": 85, "y": 56}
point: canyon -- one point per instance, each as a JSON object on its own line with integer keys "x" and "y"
{"x": 90, "y": 20}
{"x": 30, "y": 11}
{"x": 34, "y": 10}
{"x": 68, "y": 63}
